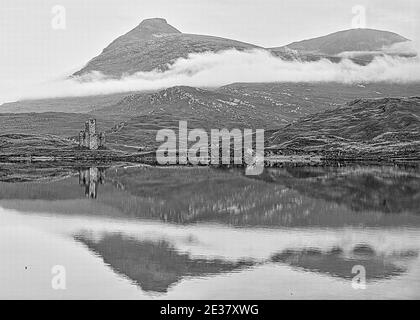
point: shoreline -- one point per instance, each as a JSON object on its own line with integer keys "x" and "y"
{"x": 149, "y": 158}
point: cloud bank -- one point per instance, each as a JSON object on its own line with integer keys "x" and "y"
{"x": 408, "y": 48}
{"x": 217, "y": 69}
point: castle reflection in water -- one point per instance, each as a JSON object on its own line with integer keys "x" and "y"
{"x": 90, "y": 178}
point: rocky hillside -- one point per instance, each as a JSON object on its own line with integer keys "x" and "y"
{"x": 200, "y": 108}
{"x": 294, "y": 100}
{"x": 364, "y": 127}
{"x": 194, "y": 103}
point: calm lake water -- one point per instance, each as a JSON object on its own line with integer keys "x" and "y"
{"x": 203, "y": 233}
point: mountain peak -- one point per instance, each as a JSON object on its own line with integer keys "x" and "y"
{"x": 155, "y": 26}
{"x": 147, "y": 29}
{"x": 153, "y": 21}
{"x": 154, "y": 44}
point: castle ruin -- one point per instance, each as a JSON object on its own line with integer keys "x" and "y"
{"x": 88, "y": 138}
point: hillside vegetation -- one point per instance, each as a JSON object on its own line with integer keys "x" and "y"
{"x": 364, "y": 127}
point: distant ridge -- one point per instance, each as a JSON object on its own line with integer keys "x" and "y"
{"x": 348, "y": 40}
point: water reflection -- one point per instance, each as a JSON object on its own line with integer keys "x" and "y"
{"x": 285, "y": 197}
{"x": 163, "y": 227}
{"x": 154, "y": 266}
{"x": 337, "y": 263}
{"x": 290, "y": 197}
{"x": 90, "y": 178}
{"x": 360, "y": 188}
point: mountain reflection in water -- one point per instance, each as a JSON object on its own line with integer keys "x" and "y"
{"x": 155, "y": 266}
{"x": 162, "y": 227}
{"x": 335, "y": 263}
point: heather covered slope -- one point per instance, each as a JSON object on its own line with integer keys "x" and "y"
{"x": 52, "y": 123}
{"x": 154, "y": 44}
{"x": 294, "y": 100}
{"x": 191, "y": 103}
{"x": 45, "y": 147}
{"x": 362, "y": 128}
{"x": 27, "y": 144}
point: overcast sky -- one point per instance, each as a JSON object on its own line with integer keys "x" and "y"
{"x": 31, "y": 50}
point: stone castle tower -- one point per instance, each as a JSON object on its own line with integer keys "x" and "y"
{"x": 88, "y": 138}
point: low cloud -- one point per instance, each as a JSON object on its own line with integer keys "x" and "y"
{"x": 217, "y": 69}
{"x": 408, "y": 48}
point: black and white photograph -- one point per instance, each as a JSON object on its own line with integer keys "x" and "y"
{"x": 237, "y": 151}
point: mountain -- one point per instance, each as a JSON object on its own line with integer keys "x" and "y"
{"x": 131, "y": 120}
{"x": 347, "y": 40}
{"x": 154, "y": 44}
{"x": 387, "y": 127}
